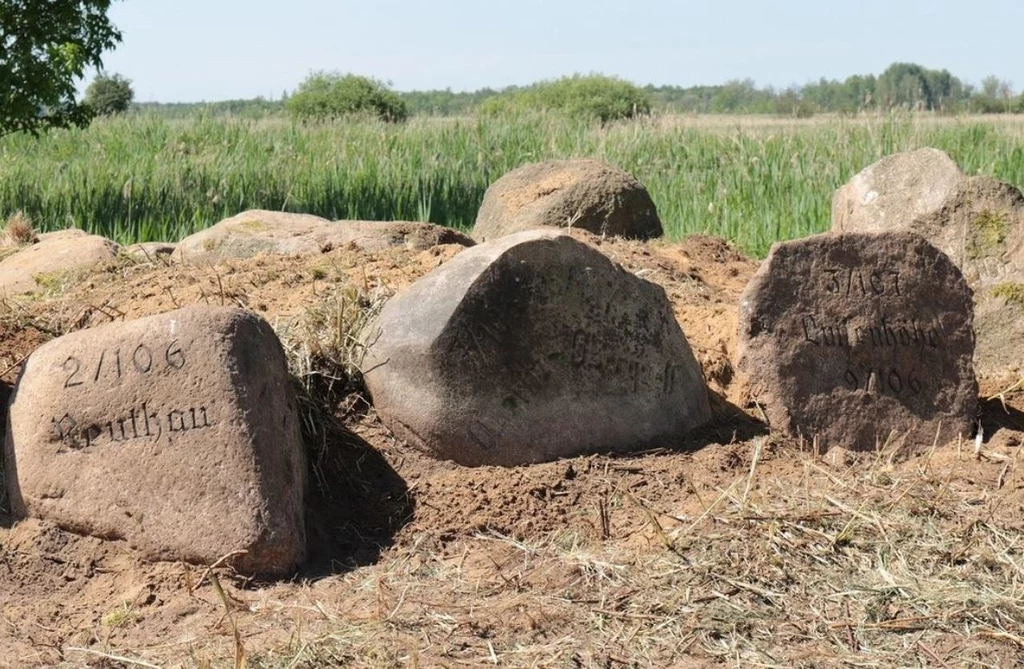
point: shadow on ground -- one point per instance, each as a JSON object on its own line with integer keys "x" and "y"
{"x": 355, "y": 504}
{"x": 996, "y": 416}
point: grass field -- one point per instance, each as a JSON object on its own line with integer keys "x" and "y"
{"x": 752, "y": 180}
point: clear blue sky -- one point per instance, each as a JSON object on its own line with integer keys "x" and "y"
{"x": 191, "y": 50}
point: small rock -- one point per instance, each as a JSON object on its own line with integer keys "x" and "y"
{"x": 151, "y": 251}
{"x": 274, "y": 232}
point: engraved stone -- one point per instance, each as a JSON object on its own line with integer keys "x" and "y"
{"x": 178, "y": 433}
{"x": 530, "y": 348}
{"x": 976, "y": 220}
{"x": 588, "y": 194}
{"x": 860, "y": 339}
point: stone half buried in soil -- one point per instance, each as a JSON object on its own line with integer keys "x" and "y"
{"x": 583, "y": 193}
{"x": 178, "y": 433}
{"x": 529, "y": 348}
{"x": 860, "y": 340}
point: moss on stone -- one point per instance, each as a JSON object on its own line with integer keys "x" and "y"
{"x": 987, "y": 233}
{"x": 1010, "y": 291}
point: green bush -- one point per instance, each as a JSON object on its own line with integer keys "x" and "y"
{"x": 109, "y": 95}
{"x": 328, "y": 95}
{"x": 589, "y": 97}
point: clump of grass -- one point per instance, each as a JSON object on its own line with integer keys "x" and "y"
{"x": 18, "y": 230}
{"x": 122, "y": 615}
{"x": 988, "y": 233}
{"x": 325, "y": 352}
{"x": 1010, "y": 291}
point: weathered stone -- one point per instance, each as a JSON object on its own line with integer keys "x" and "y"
{"x": 861, "y": 338}
{"x": 178, "y": 433}
{"x": 530, "y": 348}
{"x": 977, "y": 221}
{"x": 257, "y": 231}
{"x": 892, "y": 193}
{"x": 587, "y": 194}
{"x": 252, "y": 232}
{"x": 56, "y": 253}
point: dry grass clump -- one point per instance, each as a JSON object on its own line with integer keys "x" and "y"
{"x": 325, "y": 353}
{"x": 18, "y": 229}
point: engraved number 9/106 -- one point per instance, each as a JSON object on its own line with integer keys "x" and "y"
{"x": 887, "y": 381}
{"x": 142, "y": 359}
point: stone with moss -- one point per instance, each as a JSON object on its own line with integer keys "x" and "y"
{"x": 977, "y": 221}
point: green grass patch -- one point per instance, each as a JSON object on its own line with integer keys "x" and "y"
{"x": 1012, "y": 292}
{"x": 752, "y": 181}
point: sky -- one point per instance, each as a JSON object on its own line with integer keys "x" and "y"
{"x": 196, "y": 50}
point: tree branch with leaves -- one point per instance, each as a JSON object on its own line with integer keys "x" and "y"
{"x": 45, "y": 47}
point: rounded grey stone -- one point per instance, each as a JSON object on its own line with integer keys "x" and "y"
{"x": 530, "y": 348}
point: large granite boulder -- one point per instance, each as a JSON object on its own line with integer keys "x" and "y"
{"x": 587, "y": 194}
{"x": 861, "y": 340}
{"x": 977, "y": 221}
{"x": 530, "y": 348}
{"x": 28, "y": 268}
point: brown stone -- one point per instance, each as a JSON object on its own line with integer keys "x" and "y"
{"x": 860, "y": 339}
{"x": 178, "y": 433}
{"x": 977, "y": 221}
{"x": 54, "y": 254}
{"x": 274, "y": 232}
{"x": 587, "y": 194}
{"x": 530, "y": 348}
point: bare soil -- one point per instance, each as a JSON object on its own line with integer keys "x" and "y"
{"x": 734, "y": 547}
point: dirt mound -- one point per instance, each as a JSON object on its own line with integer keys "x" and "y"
{"x": 730, "y": 547}
{"x": 586, "y": 194}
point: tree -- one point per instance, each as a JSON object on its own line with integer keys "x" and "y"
{"x": 329, "y": 95}
{"x": 107, "y": 96}
{"x": 590, "y": 97}
{"x": 45, "y": 46}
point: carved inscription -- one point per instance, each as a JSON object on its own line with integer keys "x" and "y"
{"x": 140, "y": 423}
{"x": 885, "y": 333}
{"x": 876, "y": 335}
{"x": 586, "y": 351}
{"x": 857, "y": 281}
{"x": 109, "y": 364}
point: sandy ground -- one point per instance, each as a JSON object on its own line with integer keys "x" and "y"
{"x": 733, "y": 547}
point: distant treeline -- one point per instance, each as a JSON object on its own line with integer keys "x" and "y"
{"x": 901, "y": 86}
